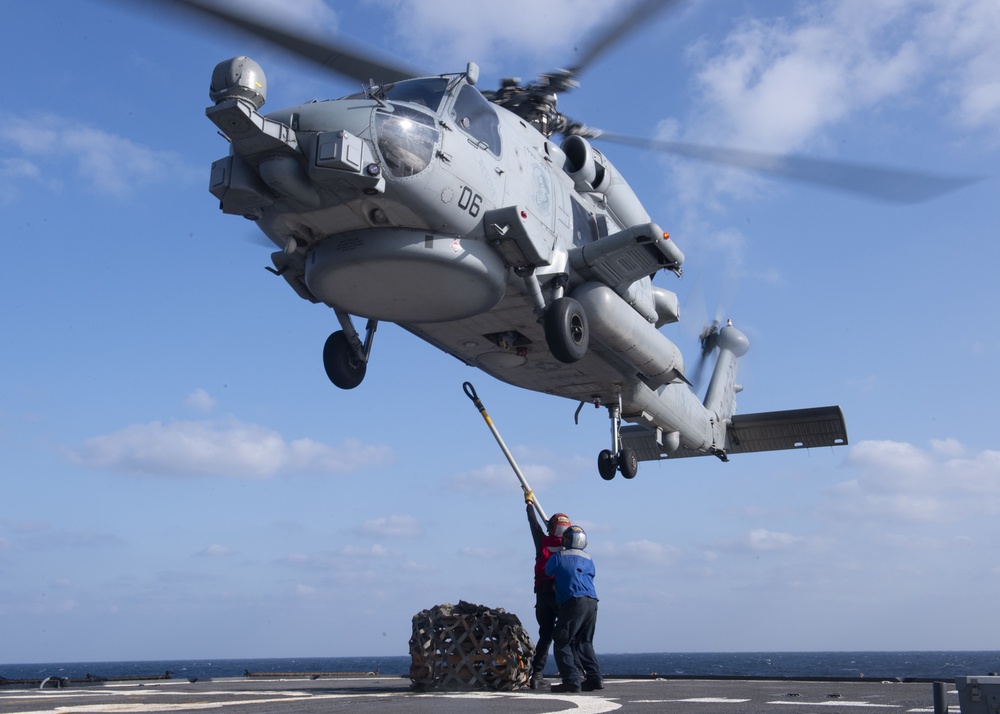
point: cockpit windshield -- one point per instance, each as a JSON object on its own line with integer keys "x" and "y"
{"x": 427, "y": 92}
{"x": 406, "y": 138}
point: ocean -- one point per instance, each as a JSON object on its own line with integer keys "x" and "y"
{"x": 943, "y": 666}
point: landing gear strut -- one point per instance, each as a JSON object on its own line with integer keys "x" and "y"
{"x": 610, "y": 461}
{"x": 345, "y": 356}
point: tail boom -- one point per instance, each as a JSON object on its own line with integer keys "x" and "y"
{"x": 720, "y": 431}
{"x": 751, "y": 433}
{"x": 720, "y": 399}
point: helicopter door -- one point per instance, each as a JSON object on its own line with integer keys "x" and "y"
{"x": 477, "y": 118}
{"x": 472, "y": 154}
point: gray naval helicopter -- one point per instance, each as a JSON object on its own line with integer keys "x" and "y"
{"x": 454, "y": 213}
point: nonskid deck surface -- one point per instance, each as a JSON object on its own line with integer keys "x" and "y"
{"x": 304, "y": 695}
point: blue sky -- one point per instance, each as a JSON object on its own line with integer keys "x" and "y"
{"x": 180, "y": 480}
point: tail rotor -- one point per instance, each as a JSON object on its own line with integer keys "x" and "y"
{"x": 708, "y": 339}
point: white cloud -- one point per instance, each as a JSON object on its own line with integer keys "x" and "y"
{"x": 200, "y": 400}
{"x": 780, "y": 84}
{"x": 889, "y": 456}
{"x": 223, "y": 448}
{"x": 902, "y": 482}
{"x": 763, "y": 539}
{"x": 13, "y": 173}
{"x": 366, "y": 551}
{"x": 948, "y": 447}
{"x": 775, "y": 84}
{"x": 412, "y": 566}
{"x": 638, "y": 552}
{"x": 501, "y": 479}
{"x": 967, "y": 34}
{"x": 392, "y": 527}
{"x": 730, "y": 245}
{"x": 216, "y": 551}
{"x": 452, "y": 32}
{"x": 105, "y": 162}
{"x": 305, "y": 591}
{"x": 64, "y": 606}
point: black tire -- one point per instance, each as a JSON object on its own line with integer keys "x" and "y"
{"x": 607, "y": 465}
{"x": 628, "y": 463}
{"x": 343, "y": 369}
{"x": 566, "y": 330}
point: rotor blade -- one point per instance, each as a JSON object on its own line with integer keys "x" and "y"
{"x": 633, "y": 17}
{"x": 881, "y": 183}
{"x": 334, "y": 56}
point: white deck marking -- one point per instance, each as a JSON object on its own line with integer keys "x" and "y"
{"x": 696, "y": 700}
{"x": 837, "y": 703}
{"x": 584, "y": 704}
{"x": 129, "y": 707}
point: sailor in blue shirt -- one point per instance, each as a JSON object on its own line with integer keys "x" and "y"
{"x": 574, "y": 572}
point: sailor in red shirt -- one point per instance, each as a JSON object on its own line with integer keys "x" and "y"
{"x": 546, "y": 609}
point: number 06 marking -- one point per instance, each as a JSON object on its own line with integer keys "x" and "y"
{"x": 470, "y": 201}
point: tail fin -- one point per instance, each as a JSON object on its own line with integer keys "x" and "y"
{"x": 721, "y": 396}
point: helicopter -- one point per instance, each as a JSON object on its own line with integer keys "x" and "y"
{"x": 488, "y": 224}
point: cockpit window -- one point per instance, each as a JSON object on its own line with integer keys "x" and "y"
{"x": 477, "y": 117}
{"x": 426, "y": 92}
{"x": 406, "y": 139}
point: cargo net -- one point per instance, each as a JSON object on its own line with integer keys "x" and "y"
{"x": 468, "y": 646}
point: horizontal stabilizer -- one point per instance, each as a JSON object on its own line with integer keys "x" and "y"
{"x": 748, "y": 433}
{"x": 792, "y": 429}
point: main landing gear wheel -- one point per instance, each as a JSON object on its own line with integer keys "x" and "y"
{"x": 608, "y": 464}
{"x": 566, "y": 330}
{"x": 628, "y": 463}
{"x": 342, "y": 367}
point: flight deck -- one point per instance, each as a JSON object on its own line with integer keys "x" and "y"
{"x": 306, "y": 695}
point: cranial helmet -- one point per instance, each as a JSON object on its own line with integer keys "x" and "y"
{"x": 575, "y": 538}
{"x": 558, "y": 524}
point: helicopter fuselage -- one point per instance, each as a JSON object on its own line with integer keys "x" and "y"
{"x": 424, "y": 204}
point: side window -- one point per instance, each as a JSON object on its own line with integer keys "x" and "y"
{"x": 584, "y": 226}
{"x": 478, "y": 118}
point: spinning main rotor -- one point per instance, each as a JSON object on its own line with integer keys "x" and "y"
{"x": 536, "y": 102}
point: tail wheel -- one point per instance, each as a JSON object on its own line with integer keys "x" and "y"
{"x": 566, "y": 330}
{"x": 342, "y": 367}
